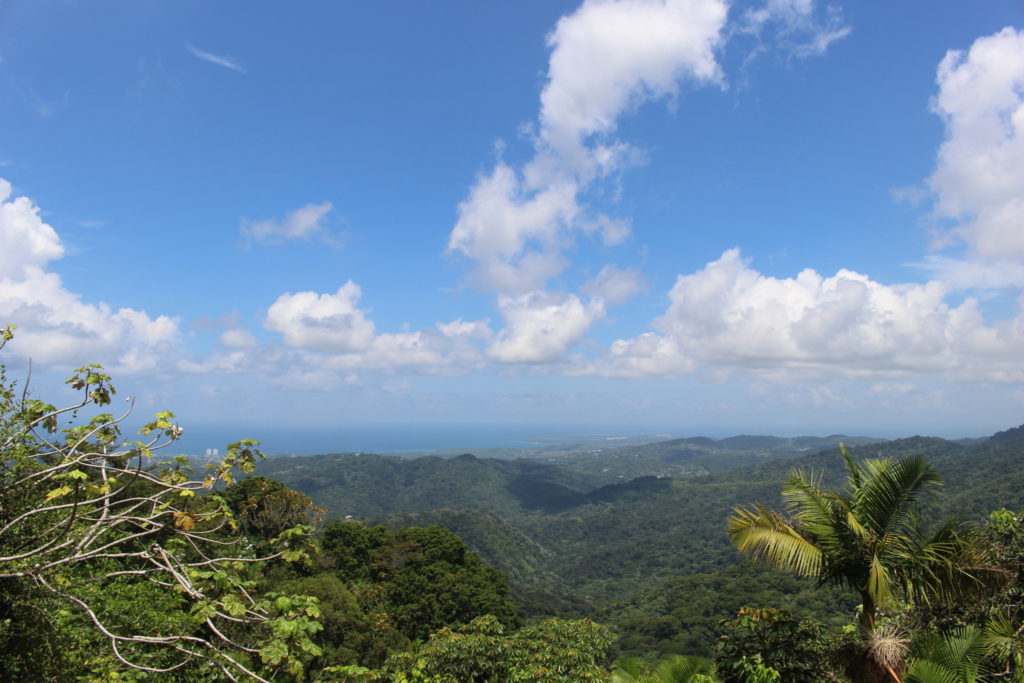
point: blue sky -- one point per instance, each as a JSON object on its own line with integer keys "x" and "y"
{"x": 689, "y": 215}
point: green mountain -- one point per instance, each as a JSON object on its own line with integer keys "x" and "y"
{"x": 364, "y": 486}
{"x": 696, "y": 456}
{"x": 639, "y": 553}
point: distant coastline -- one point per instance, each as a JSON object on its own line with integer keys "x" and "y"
{"x": 386, "y": 439}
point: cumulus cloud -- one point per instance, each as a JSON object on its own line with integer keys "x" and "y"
{"x": 728, "y": 315}
{"x": 26, "y": 242}
{"x": 514, "y": 235}
{"x": 607, "y": 58}
{"x": 55, "y": 325}
{"x": 448, "y": 348}
{"x": 979, "y": 177}
{"x": 303, "y": 224}
{"x": 325, "y": 322}
{"x": 331, "y": 333}
{"x": 540, "y": 327}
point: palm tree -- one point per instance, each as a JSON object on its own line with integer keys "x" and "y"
{"x": 866, "y": 537}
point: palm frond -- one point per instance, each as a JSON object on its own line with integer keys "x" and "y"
{"x": 863, "y": 534}
{"x": 851, "y": 468}
{"x": 924, "y": 671}
{"x": 880, "y": 584}
{"x": 948, "y": 565}
{"x": 1003, "y": 638}
{"x": 818, "y": 513}
{"x": 769, "y": 537}
{"x": 629, "y": 670}
{"x": 804, "y": 497}
{"x": 680, "y": 669}
{"x": 891, "y": 486}
{"x": 958, "y": 652}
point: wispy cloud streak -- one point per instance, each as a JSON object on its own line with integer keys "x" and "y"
{"x": 225, "y": 62}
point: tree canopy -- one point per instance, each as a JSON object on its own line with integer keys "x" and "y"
{"x": 103, "y": 538}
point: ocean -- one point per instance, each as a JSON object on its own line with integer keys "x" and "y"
{"x": 386, "y": 438}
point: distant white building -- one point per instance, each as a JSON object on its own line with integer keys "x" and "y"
{"x": 212, "y": 452}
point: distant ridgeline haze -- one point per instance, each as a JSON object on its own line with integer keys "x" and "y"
{"x": 635, "y": 536}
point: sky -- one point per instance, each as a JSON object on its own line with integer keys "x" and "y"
{"x": 699, "y": 216}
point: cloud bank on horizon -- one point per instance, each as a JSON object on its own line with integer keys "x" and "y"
{"x": 522, "y": 222}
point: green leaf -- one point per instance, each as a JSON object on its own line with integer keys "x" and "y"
{"x": 274, "y": 652}
{"x": 233, "y": 605}
{"x": 58, "y": 492}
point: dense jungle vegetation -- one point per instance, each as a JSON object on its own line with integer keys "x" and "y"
{"x": 744, "y": 559}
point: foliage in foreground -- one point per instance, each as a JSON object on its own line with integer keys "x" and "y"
{"x": 868, "y": 538}
{"x": 110, "y": 558}
{"x": 553, "y": 650}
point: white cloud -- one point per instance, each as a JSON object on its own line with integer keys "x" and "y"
{"x": 615, "y": 285}
{"x": 55, "y": 325}
{"x": 540, "y": 327}
{"x": 237, "y": 338}
{"x": 607, "y": 58}
{"x": 614, "y": 231}
{"x": 226, "y": 62}
{"x": 728, "y": 318}
{"x": 230, "y": 362}
{"x": 974, "y": 273}
{"x": 979, "y": 178}
{"x": 648, "y": 355}
{"x": 325, "y": 322}
{"x": 500, "y": 220}
{"x": 450, "y": 348}
{"x": 797, "y": 26}
{"x": 26, "y": 242}
{"x": 728, "y": 315}
{"x": 303, "y": 224}
{"x": 330, "y": 332}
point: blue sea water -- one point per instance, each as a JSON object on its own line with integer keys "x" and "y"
{"x": 382, "y": 438}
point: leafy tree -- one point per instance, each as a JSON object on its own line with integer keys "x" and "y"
{"x": 796, "y": 649}
{"x": 264, "y": 509}
{"x": 353, "y": 633}
{"x": 554, "y": 650}
{"x": 866, "y": 537}
{"x": 756, "y": 671}
{"x": 87, "y": 522}
{"x": 421, "y": 578}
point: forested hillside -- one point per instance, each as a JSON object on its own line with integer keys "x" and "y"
{"x": 697, "y": 456}
{"x": 636, "y": 554}
{"x": 118, "y": 566}
{"x": 366, "y": 485}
